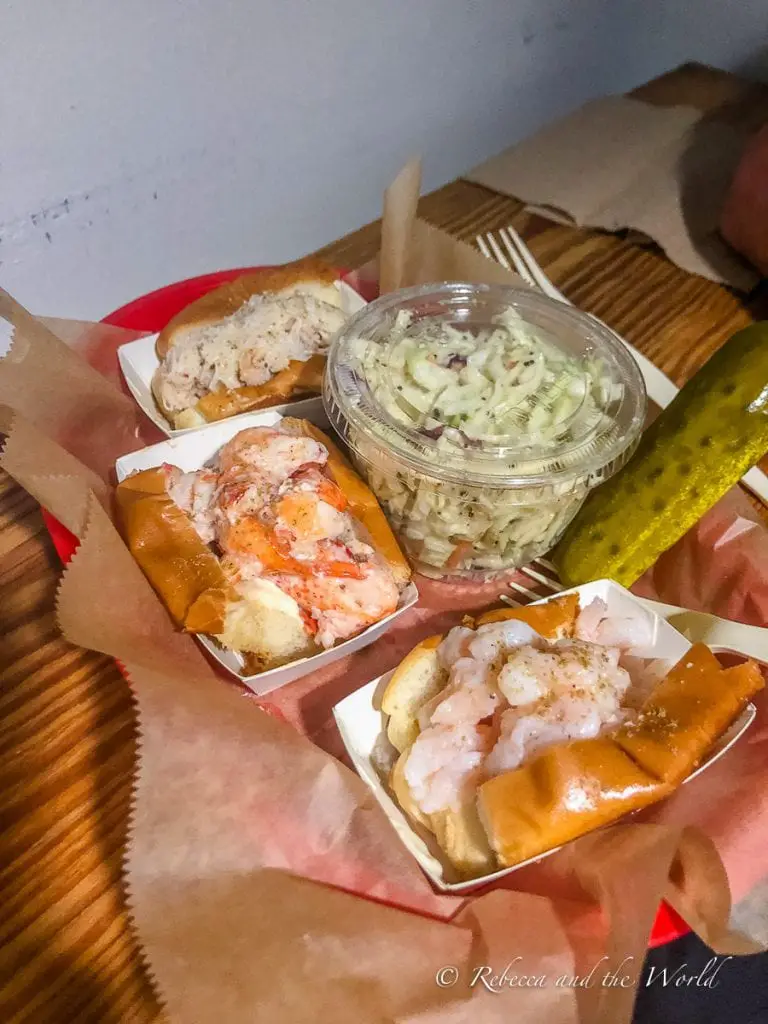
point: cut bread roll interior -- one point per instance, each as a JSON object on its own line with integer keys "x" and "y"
{"x": 276, "y": 548}
{"x": 523, "y": 729}
{"x": 256, "y": 341}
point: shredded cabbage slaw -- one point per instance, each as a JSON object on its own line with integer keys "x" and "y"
{"x": 505, "y": 382}
{"x": 503, "y": 388}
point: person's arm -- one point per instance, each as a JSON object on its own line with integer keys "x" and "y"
{"x": 744, "y": 220}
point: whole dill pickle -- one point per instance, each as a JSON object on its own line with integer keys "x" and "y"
{"x": 697, "y": 448}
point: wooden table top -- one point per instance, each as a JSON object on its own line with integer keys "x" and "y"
{"x": 66, "y": 720}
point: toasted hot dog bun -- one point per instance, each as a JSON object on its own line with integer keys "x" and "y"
{"x": 461, "y": 836}
{"x": 183, "y": 570}
{"x": 266, "y": 625}
{"x": 458, "y": 832}
{"x": 299, "y": 379}
{"x": 403, "y": 795}
{"x": 686, "y": 712}
{"x": 418, "y": 678}
{"x": 554, "y": 619}
{"x": 564, "y": 792}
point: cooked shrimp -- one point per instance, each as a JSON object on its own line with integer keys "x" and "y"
{"x": 496, "y": 638}
{"x": 519, "y": 680}
{"x": 511, "y": 693}
{"x": 630, "y": 632}
{"x": 484, "y": 643}
{"x": 589, "y": 618}
{"x": 572, "y": 667}
{"x": 454, "y": 645}
{"x": 523, "y": 735}
{"x": 425, "y": 712}
{"x": 444, "y": 763}
{"x": 471, "y": 657}
{"x": 471, "y": 697}
{"x": 572, "y": 690}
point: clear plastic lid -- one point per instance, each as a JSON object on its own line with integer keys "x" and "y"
{"x": 487, "y": 385}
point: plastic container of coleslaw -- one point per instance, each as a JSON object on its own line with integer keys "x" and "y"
{"x": 481, "y": 416}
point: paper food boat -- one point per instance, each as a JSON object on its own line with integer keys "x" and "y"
{"x": 361, "y": 725}
{"x": 194, "y": 449}
{"x": 138, "y": 362}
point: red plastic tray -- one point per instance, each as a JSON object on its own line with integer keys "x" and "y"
{"x": 151, "y": 313}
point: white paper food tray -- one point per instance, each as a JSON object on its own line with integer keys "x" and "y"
{"x": 138, "y": 362}
{"x": 193, "y": 450}
{"x": 361, "y": 725}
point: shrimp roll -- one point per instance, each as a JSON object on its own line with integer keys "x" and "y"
{"x": 524, "y": 728}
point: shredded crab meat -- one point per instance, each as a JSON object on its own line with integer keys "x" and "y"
{"x": 247, "y": 348}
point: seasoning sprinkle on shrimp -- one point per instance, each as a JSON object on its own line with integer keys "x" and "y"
{"x": 509, "y": 694}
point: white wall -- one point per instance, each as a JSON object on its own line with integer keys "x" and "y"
{"x": 142, "y": 141}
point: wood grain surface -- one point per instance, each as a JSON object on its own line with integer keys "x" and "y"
{"x": 67, "y": 953}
